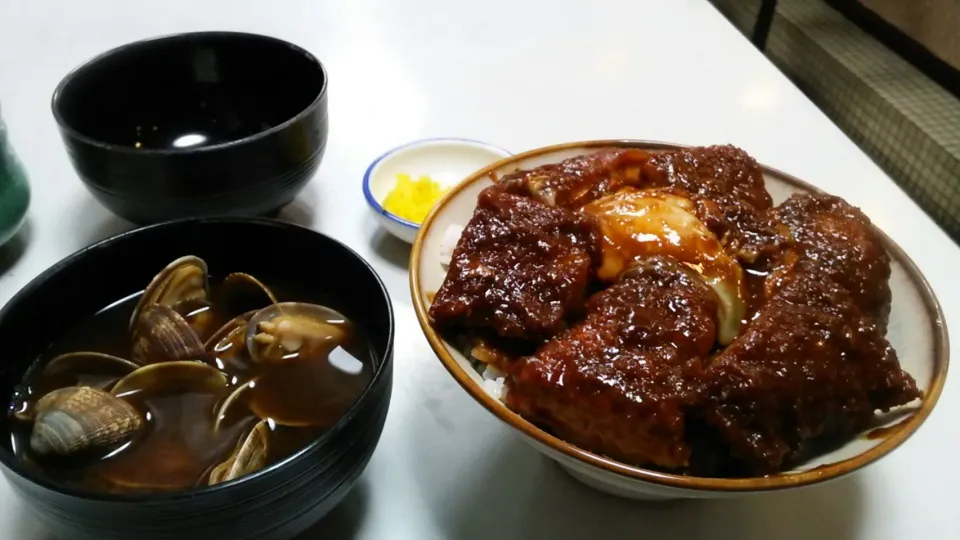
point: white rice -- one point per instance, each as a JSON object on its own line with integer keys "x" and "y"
{"x": 448, "y": 242}
{"x": 493, "y": 383}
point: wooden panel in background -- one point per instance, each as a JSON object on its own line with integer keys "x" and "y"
{"x": 935, "y": 24}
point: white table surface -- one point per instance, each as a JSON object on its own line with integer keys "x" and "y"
{"x": 519, "y": 74}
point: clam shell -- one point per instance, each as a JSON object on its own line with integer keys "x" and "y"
{"x": 240, "y": 283}
{"x": 250, "y": 456}
{"x": 182, "y": 376}
{"x": 198, "y": 312}
{"x": 234, "y": 407}
{"x": 214, "y": 342}
{"x": 286, "y": 330}
{"x": 227, "y": 349}
{"x": 171, "y": 462}
{"x": 105, "y": 368}
{"x": 163, "y": 335}
{"x": 180, "y": 280}
{"x": 89, "y": 362}
{"x": 77, "y": 418}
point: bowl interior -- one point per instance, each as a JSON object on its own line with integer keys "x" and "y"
{"x": 915, "y": 330}
{"x": 445, "y": 161}
{"x": 104, "y": 273}
{"x": 188, "y": 91}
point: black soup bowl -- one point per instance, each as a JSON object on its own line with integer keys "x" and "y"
{"x": 280, "y": 500}
{"x": 197, "y": 124}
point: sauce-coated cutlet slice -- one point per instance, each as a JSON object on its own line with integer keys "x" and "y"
{"x": 579, "y": 180}
{"x": 519, "y": 268}
{"x": 615, "y": 383}
{"x": 727, "y": 186}
{"x": 840, "y": 241}
{"x": 810, "y": 365}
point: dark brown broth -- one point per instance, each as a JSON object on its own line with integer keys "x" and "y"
{"x": 178, "y": 447}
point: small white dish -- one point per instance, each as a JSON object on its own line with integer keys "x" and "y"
{"x": 447, "y": 161}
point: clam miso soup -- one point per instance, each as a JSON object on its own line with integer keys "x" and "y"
{"x": 192, "y": 383}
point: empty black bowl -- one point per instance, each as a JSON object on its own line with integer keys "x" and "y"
{"x": 277, "y": 502}
{"x": 208, "y": 123}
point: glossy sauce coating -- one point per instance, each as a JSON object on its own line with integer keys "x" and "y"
{"x": 519, "y": 268}
{"x": 637, "y": 224}
{"x": 843, "y": 244}
{"x": 810, "y": 365}
{"x": 881, "y": 433}
{"x": 726, "y": 184}
{"x": 615, "y": 383}
{"x": 577, "y": 181}
{"x": 640, "y": 375}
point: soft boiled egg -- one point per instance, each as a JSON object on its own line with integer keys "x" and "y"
{"x": 641, "y": 223}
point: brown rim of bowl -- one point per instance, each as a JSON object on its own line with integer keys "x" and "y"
{"x": 763, "y": 483}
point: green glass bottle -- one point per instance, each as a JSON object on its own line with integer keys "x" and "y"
{"x": 14, "y": 189}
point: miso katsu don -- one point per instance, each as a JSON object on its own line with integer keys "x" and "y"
{"x": 657, "y": 308}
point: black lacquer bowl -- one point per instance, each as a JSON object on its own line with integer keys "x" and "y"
{"x": 198, "y": 124}
{"x": 275, "y": 503}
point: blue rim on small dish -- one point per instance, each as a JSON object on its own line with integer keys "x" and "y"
{"x": 375, "y": 204}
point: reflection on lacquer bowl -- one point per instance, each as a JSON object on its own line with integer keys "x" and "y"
{"x": 195, "y": 379}
{"x": 725, "y": 431}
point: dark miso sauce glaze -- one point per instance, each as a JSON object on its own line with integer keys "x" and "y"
{"x": 886, "y": 431}
{"x": 179, "y": 445}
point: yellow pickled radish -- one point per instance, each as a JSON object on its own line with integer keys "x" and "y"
{"x": 412, "y": 200}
